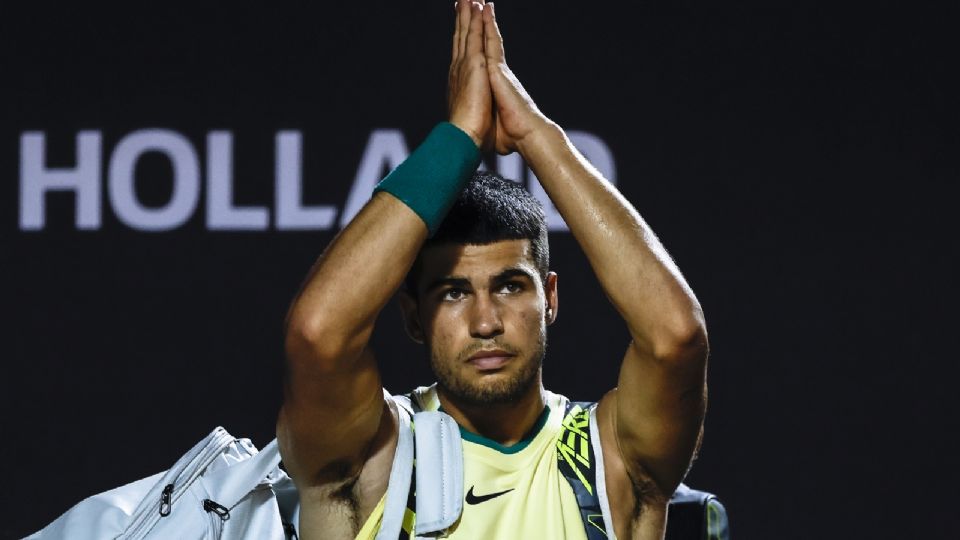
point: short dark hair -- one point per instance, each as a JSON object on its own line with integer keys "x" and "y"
{"x": 489, "y": 209}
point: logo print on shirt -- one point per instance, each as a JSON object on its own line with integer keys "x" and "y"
{"x": 477, "y": 499}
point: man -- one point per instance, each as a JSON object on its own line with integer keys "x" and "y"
{"x": 481, "y": 307}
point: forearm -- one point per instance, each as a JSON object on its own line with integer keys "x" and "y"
{"x": 660, "y": 398}
{"x": 631, "y": 264}
{"x": 355, "y": 278}
{"x": 333, "y": 401}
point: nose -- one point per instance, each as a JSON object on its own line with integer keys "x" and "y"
{"x": 485, "y": 321}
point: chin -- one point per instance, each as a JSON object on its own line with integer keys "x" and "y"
{"x": 506, "y": 385}
{"x": 491, "y": 388}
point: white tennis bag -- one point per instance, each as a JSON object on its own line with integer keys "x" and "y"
{"x": 221, "y": 488}
{"x": 224, "y": 489}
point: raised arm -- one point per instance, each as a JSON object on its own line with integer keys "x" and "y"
{"x": 333, "y": 404}
{"x": 657, "y": 410}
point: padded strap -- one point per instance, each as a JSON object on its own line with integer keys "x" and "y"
{"x": 398, "y": 486}
{"x": 439, "y": 485}
{"x": 601, "y": 477}
{"x": 577, "y": 463}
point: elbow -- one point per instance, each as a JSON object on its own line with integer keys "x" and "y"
{"x": 683, "y": 343}
{"x": 314, "y": 344}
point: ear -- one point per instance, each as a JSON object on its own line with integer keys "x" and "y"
{"x": 552, "y": 298}
{"x": 411, "y": 315}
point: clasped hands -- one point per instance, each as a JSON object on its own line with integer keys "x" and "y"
{"x": 484, "y": 97}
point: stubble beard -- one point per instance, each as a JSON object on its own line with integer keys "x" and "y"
{"x": 477, "y": 393}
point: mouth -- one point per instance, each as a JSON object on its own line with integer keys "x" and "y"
{"x": 490, "y": 360}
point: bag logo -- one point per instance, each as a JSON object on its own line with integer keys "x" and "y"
{"x": 573, "y": 446}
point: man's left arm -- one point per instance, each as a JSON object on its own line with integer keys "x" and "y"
{"x": 657, "y": 409}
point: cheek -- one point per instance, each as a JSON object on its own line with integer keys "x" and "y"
{"x": 443, "y": 329}
{"x": 529, "y": 319}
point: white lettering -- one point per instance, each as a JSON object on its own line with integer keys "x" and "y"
{"x": 291, "y": 214}
{"x": 186, "y": 180}
{"x": 36, "y": 179}
{"x": 221, "y": 213}
{"x": 385, "y": 150}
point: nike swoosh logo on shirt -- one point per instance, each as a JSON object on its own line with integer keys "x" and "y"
{"x": 477, "y": 499}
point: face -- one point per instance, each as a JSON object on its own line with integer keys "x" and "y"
{"x": 482, "y": 310}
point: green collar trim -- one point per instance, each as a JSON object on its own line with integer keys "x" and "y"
{"x": 515, "y": 447}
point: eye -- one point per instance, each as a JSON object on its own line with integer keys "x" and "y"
{"x": 511, "y": 287}
{"x": 452, "y": 295}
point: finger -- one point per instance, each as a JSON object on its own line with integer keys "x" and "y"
{"x": 493, "y": 46}
{"x": 456, "y": 30}
{"x": 464, "y": 11}
{"x": 474, "y": 43}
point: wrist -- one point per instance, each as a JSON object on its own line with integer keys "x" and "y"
{"x": 465, "y": 128}
{"x": 430, "y": 179}
{"x": 545, "y": 133}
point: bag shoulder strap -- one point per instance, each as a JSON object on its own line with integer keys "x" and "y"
{"x": 439, "y": 496}
{"x": 428, "y": 437}
{"x": 580, "y": 462}
{"x": 693, "y": 514}
{"x": 401, "y": 474}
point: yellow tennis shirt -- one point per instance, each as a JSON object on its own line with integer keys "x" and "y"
{"x": 512, "y": 491}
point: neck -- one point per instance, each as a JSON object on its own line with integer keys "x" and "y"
{"x": 505, "y": 423}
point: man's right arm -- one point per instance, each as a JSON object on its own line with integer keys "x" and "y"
{"x": 333, "y": 401}
{"x": 332, "y": 393}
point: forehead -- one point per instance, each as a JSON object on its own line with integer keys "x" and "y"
{"x": 475, "y": 261}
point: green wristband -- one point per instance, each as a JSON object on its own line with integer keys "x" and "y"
{"x": 431, "y": 178}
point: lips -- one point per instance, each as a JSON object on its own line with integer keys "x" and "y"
{"x": 490, "y": 360}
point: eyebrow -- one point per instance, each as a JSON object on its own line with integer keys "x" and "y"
{"x": 511, "y": 273}
{"x": 461, "y": 282}
{"x": 448, "y": 281}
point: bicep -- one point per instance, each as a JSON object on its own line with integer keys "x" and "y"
{"x": 328, "y": 417}
{"x": 658, "y": 409}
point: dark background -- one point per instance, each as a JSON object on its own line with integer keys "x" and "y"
{"x": 795, "y": 160}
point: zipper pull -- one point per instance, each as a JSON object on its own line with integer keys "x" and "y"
{"x": 165, "y": 500}
{"x": 290, "y": 531}
{"x": 216, "y": 508}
